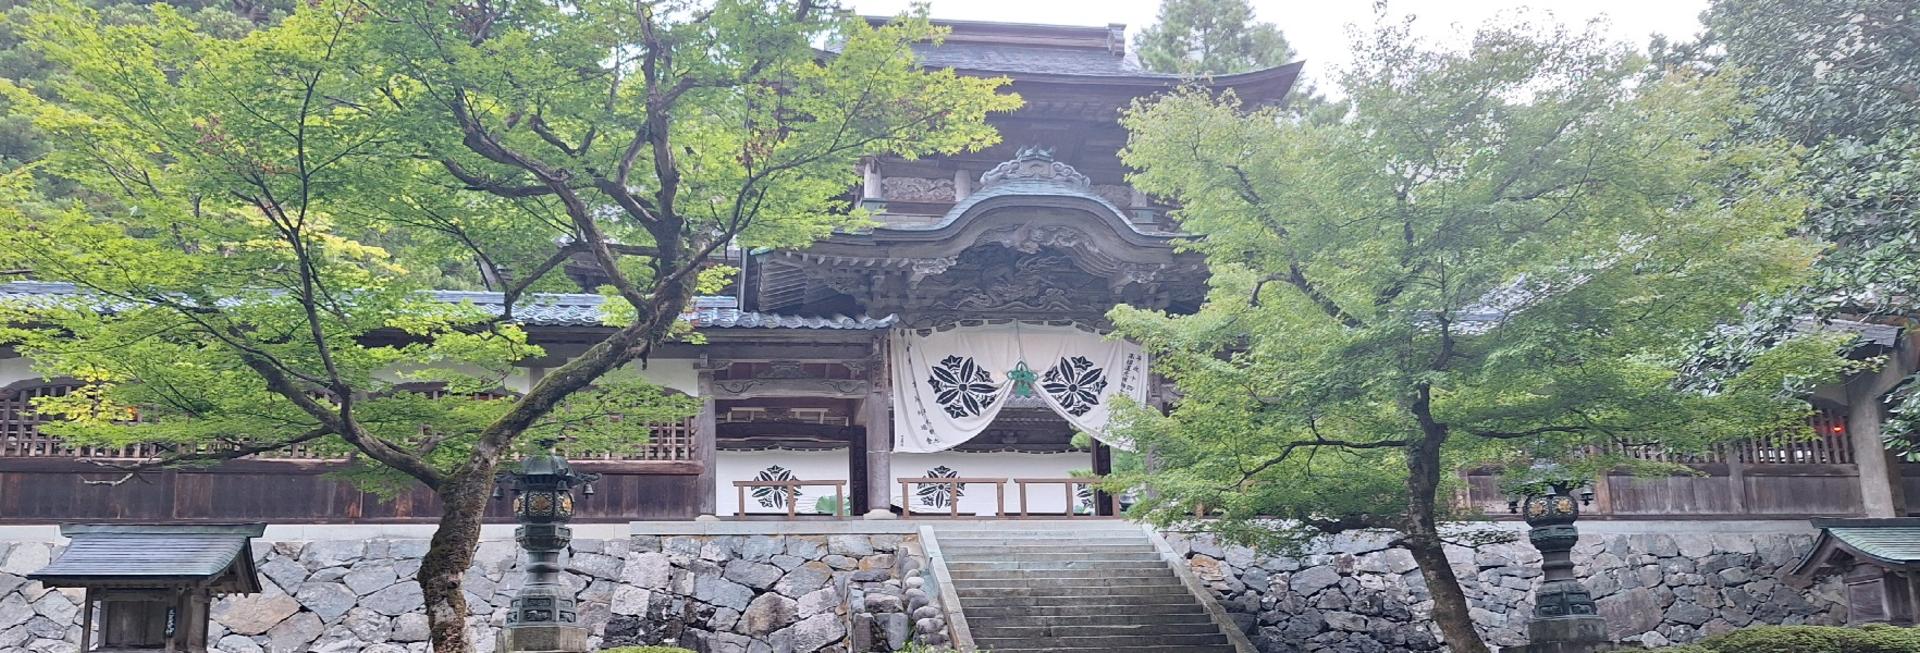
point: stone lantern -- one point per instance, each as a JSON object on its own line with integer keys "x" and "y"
{"x": 543, "y": 616}
{"x": 1564, "y": 618}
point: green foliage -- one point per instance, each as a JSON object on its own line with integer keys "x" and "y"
{"x": 263, "y": 211}
{"x": 1200, "y": 38}
{"x": 1501, "y": 256}
{"x": 826, "y": 506}
{"x": 20, "y": 142}
{"x": 1210, "y": 37}
{"x": 260, "y": 214}
{"x": 1808, "y": 639}
{"x": 1836, "y": 76}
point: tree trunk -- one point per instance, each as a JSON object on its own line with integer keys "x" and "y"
{"x": 1449, "y": 602}
{"x": 464, "y": 500}
{"x": 1423, "y": 531}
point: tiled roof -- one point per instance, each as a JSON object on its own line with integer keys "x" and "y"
{"x": 1039, "y": 60}
{"x": 544, "y": 309}
{"x": 1886, "y": 543}
{"x": 1884, "y": 335}
{"x": 109, "y": 553}
{"x": 1029, "y": 188}
{"x": 1893, "y": 543}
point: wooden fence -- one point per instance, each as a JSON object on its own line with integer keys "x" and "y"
{"x": 21, "y": 436}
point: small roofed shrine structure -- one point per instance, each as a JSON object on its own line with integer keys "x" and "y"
{"x": 1879, "y": 559}
{"x": 151, "y": 585}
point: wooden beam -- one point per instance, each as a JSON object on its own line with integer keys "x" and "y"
{"x": 727, "y": 389}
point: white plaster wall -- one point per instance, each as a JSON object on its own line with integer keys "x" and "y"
{"x": 978, "y": 498}
{"x": 828, "y": 465}
{"x": 675, "y": 373}
{"x": 516, "y": 379}
{"x": 975, "y": 499}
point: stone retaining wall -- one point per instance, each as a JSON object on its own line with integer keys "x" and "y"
{"x": 1350, "y": 596}
{"x": 730, "y": 591}
{"x": 767, "y": 593}
{"x": 714, "y": 594}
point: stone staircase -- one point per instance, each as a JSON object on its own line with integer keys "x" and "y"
{"x": 1091, "y": 585}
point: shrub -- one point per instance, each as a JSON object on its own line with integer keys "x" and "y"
{"x": 1809, "y": 639}
{"x": 645, "y": 649}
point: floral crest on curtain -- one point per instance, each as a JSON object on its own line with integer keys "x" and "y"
{"x": 1076, "y": 383}
{"x": 962, "y": 387}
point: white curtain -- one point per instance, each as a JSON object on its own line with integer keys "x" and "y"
{"x": 948, "y": 385}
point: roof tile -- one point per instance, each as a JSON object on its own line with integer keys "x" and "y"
{"x": 543, "y": 309}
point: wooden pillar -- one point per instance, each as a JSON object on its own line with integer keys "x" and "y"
{"x": 1880, "y": 491}
{"x": 1737, "y": 480}
{"x": 1102, "y": 466}
{"x": 857, "y": 480}
{"x": 86, "y": 621}
{"x": 1881, "y": 488}
{"x": 879, "y": 444}
{"x": 706, "y": 447}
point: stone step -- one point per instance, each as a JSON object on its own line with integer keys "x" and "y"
{"x": 1116, "y": 629}
{"x": 1000, "y": 610}
{"x": 1020, "y": 618}
{"x": 1040, "y": 525}
{"x": 1051, "y": 586}
{"x": 1100, "y": 642}
{"x": 1074, "y": 588}
{"x": 1058, "y": 555}
{"x": 1223, "y": 648}
{"x": 1112, "y": 564}
{"x": 1056, "y": 596}
{"x": 1094, "y": 536}
{"x": 1005, "y": 551}
{"x": 988, "y": 574}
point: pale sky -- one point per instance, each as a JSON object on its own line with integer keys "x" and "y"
{"x": 1318, "y": 29}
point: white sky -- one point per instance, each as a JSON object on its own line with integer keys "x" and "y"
{"x": 1318, "y": 29}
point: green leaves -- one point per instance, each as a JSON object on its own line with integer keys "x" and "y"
{"x": 1502, "y": 254}
{"x": 262, "y": 213}
{"x": 1835, "y": 76}
{"x": 1210, "y": 37}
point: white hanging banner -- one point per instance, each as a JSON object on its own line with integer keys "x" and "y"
{"x": 949, "y": 385}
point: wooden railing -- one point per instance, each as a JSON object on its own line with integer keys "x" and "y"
{"x": 1020, "y": 485}
{"x": 21, "y": 436}
{"x": 954, "y": 485}
{"x": 1831, "y": 444}
{"x": 791, "y": 488}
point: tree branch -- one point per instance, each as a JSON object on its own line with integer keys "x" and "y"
{"x": 1514, "y": 435}
{"x": 178, "y": 458}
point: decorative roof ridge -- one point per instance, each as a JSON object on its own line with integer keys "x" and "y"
{"x": 1035, "y": 163}
{"x": 564, "y": 309}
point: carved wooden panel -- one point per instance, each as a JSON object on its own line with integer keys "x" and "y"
{"x": 917, "y": 189}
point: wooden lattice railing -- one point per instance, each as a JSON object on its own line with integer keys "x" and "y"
{"x": 1831, "y": 444}
{"x": 21, "y": 436}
